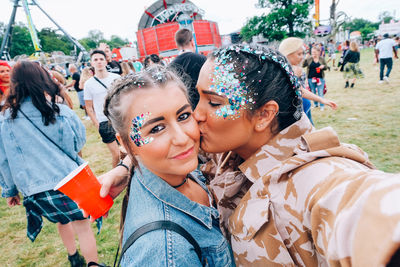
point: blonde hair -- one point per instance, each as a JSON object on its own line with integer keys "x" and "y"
{"x": 125, "y": 68}
{"x": 86, "y": 74}
{"x": 290, "y": 45}
{"x": 354, "y": 47}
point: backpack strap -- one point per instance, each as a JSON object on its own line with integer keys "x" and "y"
{"x": 100, "y": 82}
{"x": 160, "y": 225}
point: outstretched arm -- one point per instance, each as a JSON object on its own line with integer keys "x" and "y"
{"x": 311, "y": 96}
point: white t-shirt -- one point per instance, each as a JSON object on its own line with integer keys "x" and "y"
{"x": 385, "y": 48}
{"x": 97, "y": 93}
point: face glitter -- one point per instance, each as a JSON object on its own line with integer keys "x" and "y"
{"x": 137, "y": 124}
{"x": 226, "y": 82}
{"x": 235, "y": 90}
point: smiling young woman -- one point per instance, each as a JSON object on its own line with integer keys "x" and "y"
{"x": 153, "y": 118}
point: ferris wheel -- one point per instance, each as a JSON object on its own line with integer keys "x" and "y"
{"x": 6, "y": 43}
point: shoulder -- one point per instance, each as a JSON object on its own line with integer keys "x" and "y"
{"x": 113, "y": 76}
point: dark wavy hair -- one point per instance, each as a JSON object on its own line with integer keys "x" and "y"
{"x": 29, "y": 79}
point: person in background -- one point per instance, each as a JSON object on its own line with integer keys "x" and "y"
{"x": 344, "y": 48}
{"x": 76, "y": 76}
{"x": 384, "y": 51}
{"x": 351, "y": 66}
{"x": 331, "y": 47}
{"x": 63, "y": 98}
{"x": 188, "y": 63}
{"x": 132, "y": 68}
{"x": 32, "y": 165}
{"x": 315, "y": 73}
{"x": 86, "y": 74}
{"x": 5, "y": 70}
{"x": 137, "y": 65}
{"x": 293, "y": 49}
{"x": 126, "y": 69}
{"x": 152, "y": 59}
{"x": 95, "y": 91}
{"x": 112, "y": 65}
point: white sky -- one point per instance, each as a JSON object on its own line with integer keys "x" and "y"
{"x": 121, "y": 17}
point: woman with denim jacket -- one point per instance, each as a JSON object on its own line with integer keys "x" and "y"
{"x": 153, "y": 119}
{"x": 32, "y": 165}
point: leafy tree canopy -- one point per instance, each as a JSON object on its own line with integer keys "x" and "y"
{"x": 284, "y": 18}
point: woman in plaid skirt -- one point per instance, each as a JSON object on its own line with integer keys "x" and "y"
{"x": 32, "y": 165}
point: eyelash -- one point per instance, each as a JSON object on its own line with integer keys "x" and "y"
{"x": 213, "y": 104}
{"x": 181, "y": 117}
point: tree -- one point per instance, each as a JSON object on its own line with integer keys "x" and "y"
{"x": 385, "y": 16}
{"x": 21, "y": 42}
{"x": 285, "y": 18}
{"x": 366, "y": 27}
{"x": 51, "y": 41}
{"x": 117, "y": 41}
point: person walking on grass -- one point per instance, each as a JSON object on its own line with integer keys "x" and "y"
{"x": 316, "y": 66}
{"x": 95, "y": 91}
{"x": 351, "y": 66}
{"x": 32, "y": 165}
{"x": 384, "y": 55}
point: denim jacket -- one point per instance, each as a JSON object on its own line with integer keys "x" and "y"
{"x": 152, "y": 199}
{"x": 29, "y": 162}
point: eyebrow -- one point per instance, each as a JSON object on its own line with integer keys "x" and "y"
{"x": 154, "y": 120}
{"x": 207, "y": 92}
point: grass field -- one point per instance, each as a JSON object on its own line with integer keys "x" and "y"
{"x": 368, "y": 116}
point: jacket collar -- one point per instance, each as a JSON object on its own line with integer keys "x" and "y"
{"x": 281, "y": 147}
{"x": 172, "y": 197}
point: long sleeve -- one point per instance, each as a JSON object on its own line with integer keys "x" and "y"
{"x": 6, "y": 182}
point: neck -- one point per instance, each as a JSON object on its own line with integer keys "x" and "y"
{"x": 101, "y": 73}
{"x": 187, "y": 49}
{"x": 255, "y": 143}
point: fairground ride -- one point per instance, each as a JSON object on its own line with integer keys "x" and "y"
{"x": 6, "y": 43}
{"x": 160, "y": 22}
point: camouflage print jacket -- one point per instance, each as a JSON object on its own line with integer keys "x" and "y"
{"x": 305, "y": 199}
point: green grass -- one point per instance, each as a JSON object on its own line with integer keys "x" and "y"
{"x": 376, "y": 128}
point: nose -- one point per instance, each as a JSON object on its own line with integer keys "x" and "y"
{"x": 179, "y": 136}
{"x": 199, "y": 114}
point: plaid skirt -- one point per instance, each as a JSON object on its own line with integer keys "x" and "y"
{"x": 53, "y": 205}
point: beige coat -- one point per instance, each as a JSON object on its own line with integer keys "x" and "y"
{"x": 305, "y": 199}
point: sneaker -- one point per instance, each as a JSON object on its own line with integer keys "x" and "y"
{"x": 77, "y": 260}
{"x": 386, "y": 79}
{"x": 381, "y": 81}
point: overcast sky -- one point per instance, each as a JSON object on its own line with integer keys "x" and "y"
{"x": 121, "y": 17}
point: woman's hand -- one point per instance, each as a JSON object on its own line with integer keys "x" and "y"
{"x": 112, "y": 183}
{"x": 330, "y": 103}
{"x": 12, "y": 201}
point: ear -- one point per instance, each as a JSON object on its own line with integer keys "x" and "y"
{"x": 265, "y": 115}
{"x": 123, "y": 148}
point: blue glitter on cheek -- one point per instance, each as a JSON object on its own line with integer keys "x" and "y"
{"x": 136, "y": 134}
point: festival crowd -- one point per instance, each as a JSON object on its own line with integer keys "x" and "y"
{"x": 219, "y": 157}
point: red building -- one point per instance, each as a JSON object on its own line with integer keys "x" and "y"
{"x": 160, "y": 22}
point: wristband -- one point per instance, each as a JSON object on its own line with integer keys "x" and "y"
{"x": 121, "y": 163}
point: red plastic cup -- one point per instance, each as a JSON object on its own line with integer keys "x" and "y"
{"x": 318, "y": 69}
{"x": 82, "y": 186}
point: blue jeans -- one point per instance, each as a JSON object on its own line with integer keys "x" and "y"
{"x": 307, "y": 109}
{"x": 389, "y": 63}
{"x": 317, "y": 89}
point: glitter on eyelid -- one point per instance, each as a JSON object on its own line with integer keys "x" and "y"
{"x": 136, "y": 135}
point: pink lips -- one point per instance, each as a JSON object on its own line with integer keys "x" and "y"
{"x": 185, "y": 154}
